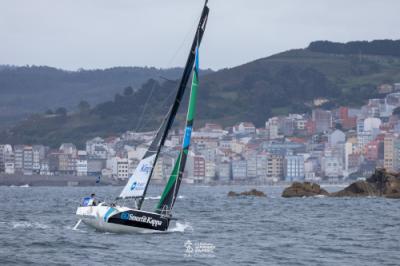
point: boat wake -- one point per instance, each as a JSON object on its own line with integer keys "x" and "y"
{"x": 180, "y": 227}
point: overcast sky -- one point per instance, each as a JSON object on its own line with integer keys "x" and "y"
{"x": 74, "y": 34}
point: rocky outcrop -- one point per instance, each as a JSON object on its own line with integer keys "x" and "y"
{"x": 305, "y": 189}
{"x": 253, "y": 192}
{"x": 381, "y": 183}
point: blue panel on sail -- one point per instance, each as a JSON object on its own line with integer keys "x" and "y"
{"x": 188, "y": 134}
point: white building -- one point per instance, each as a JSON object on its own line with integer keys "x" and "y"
{"x": 45, "y": 168}
{"x": 96, "y": 148}
{"x": 9, "y": 168}
{"x": 336, "y": 137}
{"x": 28, "y": 160}
{"x": 262, "y": 171}
{"x": 272, "y": 127}
{"x": 332, "y": 166}
{"x": 224, "y": 171}
{"x": 239, "y": 170}
{"x": 81, "y": 163}
{"x": 39, "y": 153}
{"x": 81, "y": 167}
{"x": 210, "y": 171}
{"x": 293, "y": 168}
{"x": 244, "y": 128}
{"x": 122, "y": 168}
{"x": 19, "y": 158}
{"x": 69, "y": 148}
{"x": 252, "y": 166}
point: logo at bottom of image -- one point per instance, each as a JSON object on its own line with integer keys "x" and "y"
{"x": 199, "y": 249}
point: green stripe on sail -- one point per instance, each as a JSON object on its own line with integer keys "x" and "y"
{"x": 167, "y": 199}
{"x": 193, "y": 97}
{"x": 171, "y": 182}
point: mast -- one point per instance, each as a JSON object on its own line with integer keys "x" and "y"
{"x": 169, "y": 119}
{"x": 168, "y": 197}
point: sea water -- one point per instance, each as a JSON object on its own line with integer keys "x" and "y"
{"x": 36, "y": 227}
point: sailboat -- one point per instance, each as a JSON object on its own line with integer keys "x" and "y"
{"x": 116, "y": 218}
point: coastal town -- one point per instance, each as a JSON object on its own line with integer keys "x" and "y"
{"x": 325, "y": 145}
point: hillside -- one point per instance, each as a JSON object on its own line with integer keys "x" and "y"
{"x": 283, "y": 83}
{"x": 30, "y": 89}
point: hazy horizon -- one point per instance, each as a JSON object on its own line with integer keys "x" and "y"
{"x": 99, "y": 34}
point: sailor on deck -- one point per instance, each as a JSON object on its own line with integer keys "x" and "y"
{"x": 92, "y": 201}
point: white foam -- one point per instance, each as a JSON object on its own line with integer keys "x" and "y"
{"x": 181, "y": 227}
{"x": 26, "y": 224}
{"x": 153, "y": 198}
{"x": 76, "y": 230}
{"x": 23, "y": 186}
{"x": 159, "y": 197}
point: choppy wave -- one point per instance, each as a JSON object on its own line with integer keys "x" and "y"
{"x": 342, "y": 231}
{"x": 27, "y": 224}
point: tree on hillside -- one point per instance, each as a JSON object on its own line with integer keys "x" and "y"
{"x": 49, "y": 112}
{"x": 61, "y": 111}
{"x": 128, "y": 91}
{"x": 83, "y": 106}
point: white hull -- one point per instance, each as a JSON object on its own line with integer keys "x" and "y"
{"x": 114, "y": 228}
{"x": 97, "y": 217}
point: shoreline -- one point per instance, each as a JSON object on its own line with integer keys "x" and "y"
{"x": 89, "y": 181}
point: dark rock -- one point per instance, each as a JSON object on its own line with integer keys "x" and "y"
{"x": 305, "y": 189}
{"x": 357, "y": 189}
{"x": 253, "y": 192}
{"x": 233, "y": 194}
{"x": 381, "y": 183}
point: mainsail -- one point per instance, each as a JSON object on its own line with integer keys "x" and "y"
{"x": 137, "y": 184}
{"x": 168, "y": 197}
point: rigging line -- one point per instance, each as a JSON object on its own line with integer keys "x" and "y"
{"x": 161, "y": 104}
{"x": 145, "y": 106}
{"x": 188, "y": 34}
{"x": 189, "y": 31}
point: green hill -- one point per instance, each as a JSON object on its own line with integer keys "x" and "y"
{"x": 29, "y": 89}
{"x": 280, "y": 84}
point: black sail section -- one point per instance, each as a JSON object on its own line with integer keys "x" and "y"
{"x": 162, "y": 133}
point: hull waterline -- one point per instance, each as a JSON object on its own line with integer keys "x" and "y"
{"x": 122, "y": 219}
